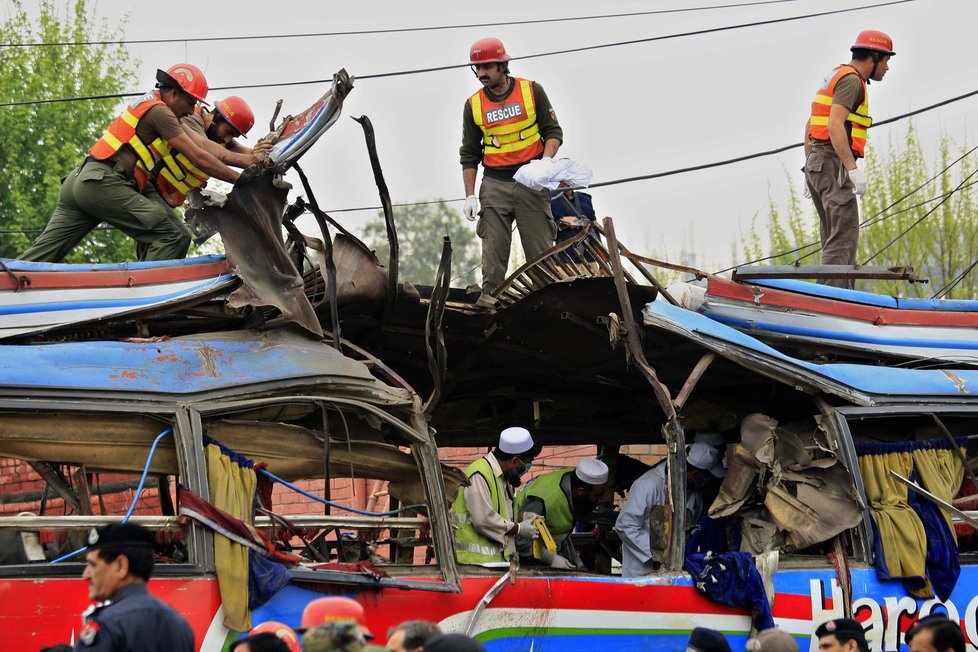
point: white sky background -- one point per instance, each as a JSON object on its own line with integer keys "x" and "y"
{"x": 625, "y": 111}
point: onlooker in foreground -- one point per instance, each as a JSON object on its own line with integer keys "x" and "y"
{"x": 411, "y": 636}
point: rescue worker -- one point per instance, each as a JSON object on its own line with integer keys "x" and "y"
{"x": 648, "y": 492}
{"x": 507, "y": 123}
{"x": 126, "y": 618}
{"x": 343, "y": 636}
{"x": 483, "y": 511}
{"x": 258, "y": 641}
{"x": 334, "y": 609}
{"x": 835, "y": 138}
{"x": 411, "y": 636}
{"x": 115, "y": 183}
{"x": 562, "y": 497}
{"x": 217, "y": 132}
{"x": 841, "y": 635}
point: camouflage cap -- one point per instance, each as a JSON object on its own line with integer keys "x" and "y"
{"x": 334, "y": 637}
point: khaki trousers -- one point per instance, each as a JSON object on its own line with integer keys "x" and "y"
{"x": 838, "y": 211}
{"x": 502, "y": 203}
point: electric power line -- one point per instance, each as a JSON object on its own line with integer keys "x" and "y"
{"x": 418, "y": 71}
{"x": 398, "y": 30}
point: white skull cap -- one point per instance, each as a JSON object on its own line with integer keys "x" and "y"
{"x": 706, "y": 457}
{"x": 515, "y": 440}
{"x": 592, "y": 471}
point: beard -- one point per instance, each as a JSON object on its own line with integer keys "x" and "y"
{"x": 211, "y": 132}
{"x": 512, "y": 477}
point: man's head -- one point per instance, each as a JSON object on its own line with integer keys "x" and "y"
{"x": 346, "y": 636}
{"x": 181, "y": 87}
{"x": 703, "y": 639}
{"x": 281, "y": 631}
{"x": 935, "y": 633}
{"x": 702, "y": 460}
{"x": 454, "y": 643}
{"x": 874, "y": 49}
{"x": 262, "y": 642}
{"x": 335, "y": 609}
{"x": 232, "y": 118}
{"x": 489, "y": 62}
{"x": 589, "y": 481}
{"x": 515, "y": 453}
{"x": 773, "y": 640}
{"x": 119, "y": 555}
{"x": 841, "y": 635}
{"x": 411, "y": 636}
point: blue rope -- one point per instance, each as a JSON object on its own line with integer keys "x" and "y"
{"x": 139, "y": 490}
{"x": 362, "y": 512}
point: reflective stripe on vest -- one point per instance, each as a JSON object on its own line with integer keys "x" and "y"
{"x": 559, "y": 517}
{"x": 122, "y": 131}
{"x": 859, "y": 121}
{"x": 471, "y": 546}
{"x": 510, "y": 133}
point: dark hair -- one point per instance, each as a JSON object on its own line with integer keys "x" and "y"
{"x": 843, "y": 637}
{"x": 861, "y": 54}
{"x": 416, "y": 633}
{"x": 263, "y": 642}
{"x": 945, "y": 634}
{"x": 61, "y": 647}
{"x": 140, "y": 558}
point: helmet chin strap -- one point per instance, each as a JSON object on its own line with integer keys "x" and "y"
{"x": 876, "y": 62}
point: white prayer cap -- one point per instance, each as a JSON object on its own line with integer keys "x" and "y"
{"x": 706, "y": 457}
{"x": 710, "y": 437}
{"x": 591, "y": 471}
{"x": 515, "y": 440}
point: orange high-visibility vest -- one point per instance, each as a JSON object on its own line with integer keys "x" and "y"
{"x": 172, "y": 175}
{"x": 510, "y": 133}
{"x": 859, "y": 121}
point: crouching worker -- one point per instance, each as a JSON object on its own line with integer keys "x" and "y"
{"x": 117, "y": 183}
{"x": 562, "y": 498}
{"x": 483, "y": 517}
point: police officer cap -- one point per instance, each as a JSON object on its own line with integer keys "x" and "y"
{"x": 515, "y": 441}
{"x": 845, "y": 627}
{"x": 703, "y": 639}
{"x": 341, "y": 636}
{"x": 119, "y": 534}
{"x": 591, "y": 471}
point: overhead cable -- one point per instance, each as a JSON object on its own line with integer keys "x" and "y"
{"x": 397, "y": 30}
{"x": 418, "y": 71}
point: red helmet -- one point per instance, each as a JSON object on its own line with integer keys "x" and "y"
{"x": 334, "y": 609}
{"x": 488, "y": 50}
{"x": 237, "y": 112}
{"x": 871, "y": 39}
{"x": 283, "y": 631}
{"x": 187, "y": 77}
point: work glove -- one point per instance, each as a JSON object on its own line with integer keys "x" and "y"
{"x": 859, "y": 181}
{"x": 471, "y": 208}
{"x": 807, "y": 192}
{"x": 525, "y": 529}
{"x": 561, "y": 562}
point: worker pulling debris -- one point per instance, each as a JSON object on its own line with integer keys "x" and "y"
{"x": 835, "y": 137}
{"x": 507, "y": 123}
{"x": 139, "y": 170}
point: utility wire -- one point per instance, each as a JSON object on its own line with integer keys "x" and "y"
{"x": 364, "y": 32}
{"x": 417, "y": 71}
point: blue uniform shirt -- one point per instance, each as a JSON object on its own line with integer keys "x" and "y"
{"x": 135, "y": 621}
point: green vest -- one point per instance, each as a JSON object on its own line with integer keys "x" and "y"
{"x": 559, "y": 517}
{"x": 471, "y": 546}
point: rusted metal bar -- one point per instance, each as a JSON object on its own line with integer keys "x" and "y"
{"x": 385, "y": 201}
{"x": 701, "y": 366}
{"x": 646, "y": 273}
{"x": 675, "y": 506}
{"x": 84, "y": 491}
{"x": 327, "y": 254}
{"x": 57, "y": 482}
{"x": 663, "y": 264}
{"x": 434, "y": 337}
{"x": 895, "y": 273}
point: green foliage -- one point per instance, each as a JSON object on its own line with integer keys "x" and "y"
{"x": 420, "y": 229}
{"x": 41, "y": 143}
{"x": 933, "y": 229}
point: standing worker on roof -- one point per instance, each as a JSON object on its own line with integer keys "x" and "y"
{"x": 482, "y": 514}
{"x": 835, "y": 137}
{"x": 507, "y": 123}
{"x": 118, "y": 182}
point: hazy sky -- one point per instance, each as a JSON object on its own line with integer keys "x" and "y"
{"x": 626, "y": 111}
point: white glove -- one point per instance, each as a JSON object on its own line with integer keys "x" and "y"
{"x": 471, "y": 208}
{"x": 859, "y": 181}
{"x": 807, "y": 192}
{"x": 527, "y": 530}
{"x": 559, "y": 561}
